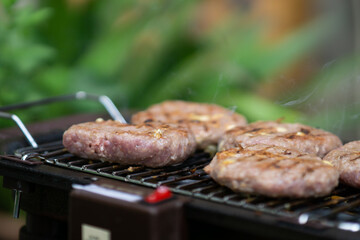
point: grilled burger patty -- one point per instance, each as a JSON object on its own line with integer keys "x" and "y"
{"x": 208, "y": 122}
{"x": 144, "y": 144}
{"x": 347, "y": 160}
{"x": 289, "y": 135}
{"x": 273, "y": 171}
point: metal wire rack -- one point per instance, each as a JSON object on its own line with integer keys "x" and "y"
{"x": 341, "y": 209}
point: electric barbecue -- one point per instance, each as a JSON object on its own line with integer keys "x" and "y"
{"x": 67, "y": 197}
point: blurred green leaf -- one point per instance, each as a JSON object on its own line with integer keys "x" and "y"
{"x": 29, "y": 17}
{"x": 8, "y": 3}
{"x": 26, "y": 58}
{"x": 6, "y": 200}
{"x": 257, "y": 108}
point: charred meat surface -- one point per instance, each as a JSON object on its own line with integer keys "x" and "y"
{"x": 273, "y": 171}
{"x": 208, "y": 122}
{"x": 289, "y": 135}
{"x": 152, "y": 145}
{"x": 347, "y": 160}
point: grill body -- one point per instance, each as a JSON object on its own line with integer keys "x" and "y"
{"x": 49, "y": 175}
{"x": 56, "y": 209}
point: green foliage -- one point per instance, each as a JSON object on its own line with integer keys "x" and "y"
{"x": 6, "y": 200}
{"x": 138, "y": 53}
{"x": 143, "y": 52}
{"x": 21, "y": 55}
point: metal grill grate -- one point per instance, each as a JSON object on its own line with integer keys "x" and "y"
{"x": 341, "y": 209}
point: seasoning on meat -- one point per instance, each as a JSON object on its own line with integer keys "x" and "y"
{"x": 347, "y": 160}
{"x": 289, "y": 135}
{"x": 152, "y": 145}
{"x": 273, "y": 171}
{"x": 208, "y": 122}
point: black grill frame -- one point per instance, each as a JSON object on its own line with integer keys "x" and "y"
{"x": 339, "y": 210}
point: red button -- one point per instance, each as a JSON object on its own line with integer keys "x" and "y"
{"x": 160, "y": 194}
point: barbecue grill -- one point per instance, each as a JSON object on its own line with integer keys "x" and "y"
{"x": 66, "y": 196}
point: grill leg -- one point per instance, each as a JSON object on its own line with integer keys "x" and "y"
{"x": 42, "y": 227}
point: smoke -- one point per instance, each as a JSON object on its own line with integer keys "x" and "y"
{"x": 355, "y": 116}
{"x": 328, "y": 64}
{"x": 233, "y": 108}
{"x": 300, "y": 100}
{"x": 218, "y": 85}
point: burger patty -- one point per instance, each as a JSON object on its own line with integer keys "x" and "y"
{"x": 144, "y": 144}
{"x": 289, "y": 135}
{"x": 208, "y": 122}
{"x": 347, "y": 160}
{"x": 273, "y": 171}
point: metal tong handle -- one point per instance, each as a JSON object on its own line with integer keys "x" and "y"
{"x": 22, "y": 127}
{"x": 104, "y": 100}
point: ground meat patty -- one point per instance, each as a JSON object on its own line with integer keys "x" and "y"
{"x": 273, "y": 171}
{"x": 208, "y": 122}
{"x": 143, "y": 144}
{"x": 289, "y": 135}
{"x": 347, "y": 160}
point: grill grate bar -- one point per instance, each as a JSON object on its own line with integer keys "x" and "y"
{"x": 65, "y": 159}
{"x": 216, "y": 192}
{"x": 206, "y": 179}
{"x": 172, "y": 173}
{"x": 127, "y": 170}
{"x": 41, "y": 149}
{"x": 78, "y": 163}
{"x": 294, "y": 204}
{"x": 53, "y": 153}
{"x": 139, "y": 174}
{"x": 256, "y": 199}
{"x": 171, "y": 181}
{"x": 341, "y": 209}
{"x": 108, "y": 169}
{"x": 229, "y": 197}
{"x": 96, "y": 166}
{"x": 204, "y": 189}
{"x": 331, "y": 202}
{"x": 165, "y": 174}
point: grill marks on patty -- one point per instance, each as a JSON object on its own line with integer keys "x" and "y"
{"x": 289, "y": 135}
{"x": 276, "y": 159}
{"x": 345, "y": 159}
{"x": 273, "y": 171}
{"x": 152, "y": 145}
{"x": 208, "y": 122}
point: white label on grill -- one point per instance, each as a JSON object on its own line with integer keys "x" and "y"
{"x": 89, "y": 232}
{"x": 108, "y": 192}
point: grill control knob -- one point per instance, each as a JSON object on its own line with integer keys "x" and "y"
{"x": 160, "y": 194}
